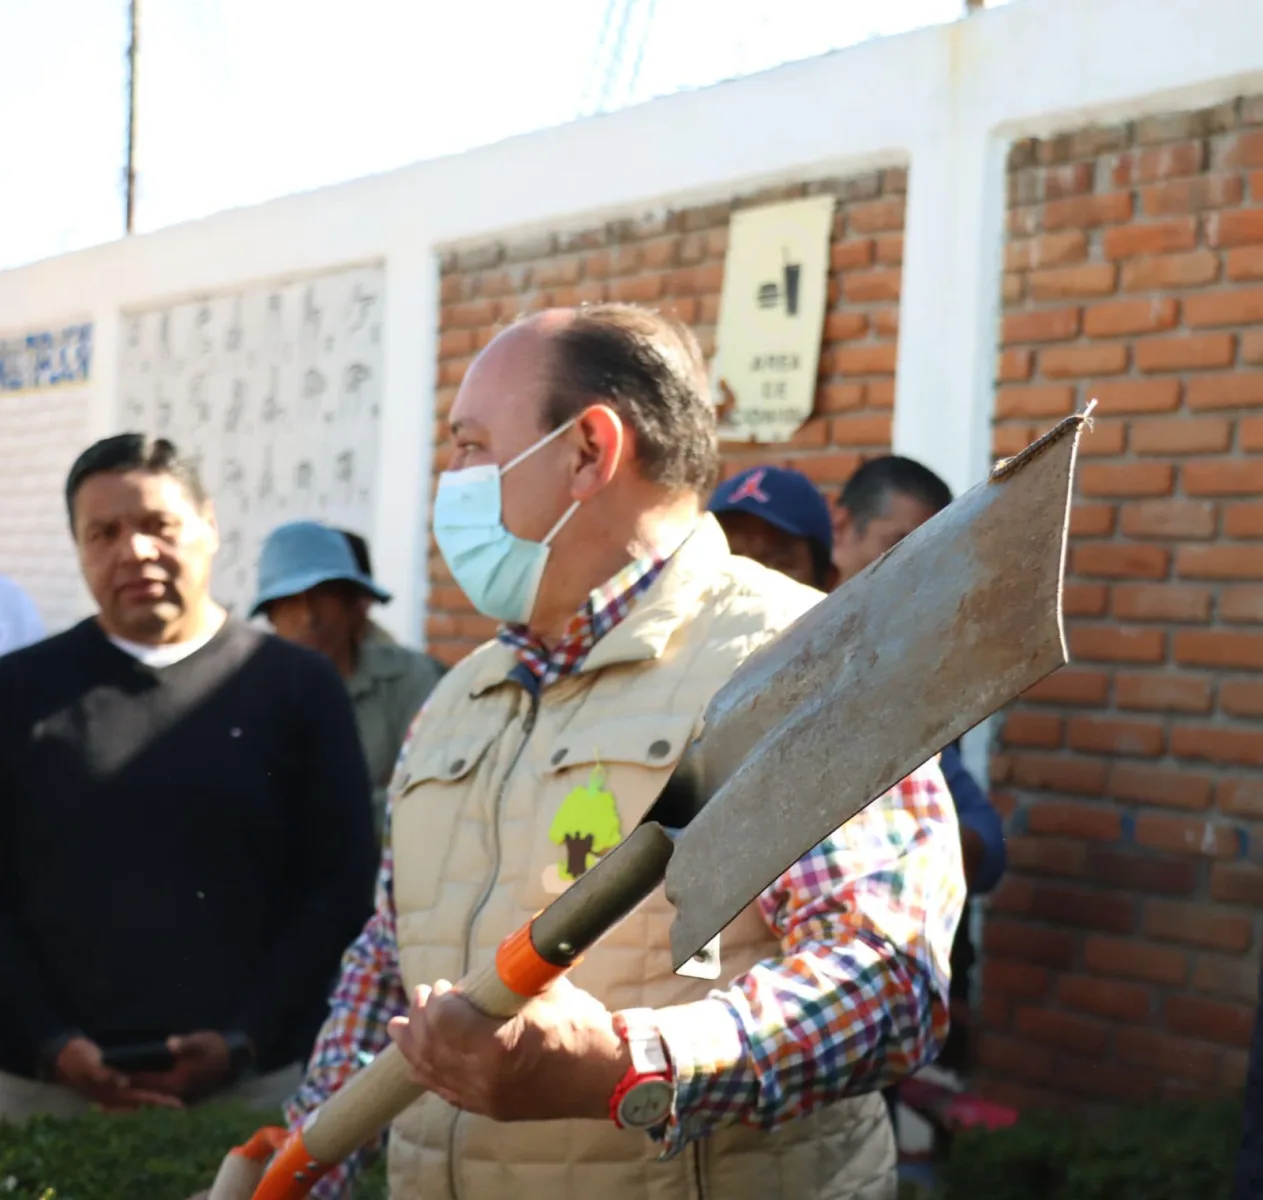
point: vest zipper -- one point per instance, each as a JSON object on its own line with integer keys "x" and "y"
{"x": 467, "y": 949}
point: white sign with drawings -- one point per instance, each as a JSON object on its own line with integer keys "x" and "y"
{"x": 276, "y": 392}
{"x": 771, "y": 316}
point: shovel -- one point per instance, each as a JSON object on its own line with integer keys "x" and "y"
{"x": 958, "y": 619}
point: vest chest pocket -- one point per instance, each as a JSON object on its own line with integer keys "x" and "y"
{"x": 434, "y": 826}
{"x": 596, "y": 782}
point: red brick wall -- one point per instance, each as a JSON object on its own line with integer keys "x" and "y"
{"x": 676, "y": 261}
{"x": 1122, "y": 950}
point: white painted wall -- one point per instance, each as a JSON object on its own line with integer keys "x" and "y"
{"x": 41, "y": 431}
{"x": 44, "y": 406}
{"x": 275, "y": 392}
{"x": 946, "y": 99}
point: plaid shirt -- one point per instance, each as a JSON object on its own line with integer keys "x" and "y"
{"x": 858, "y": 999}
{"x": 605, "y": 608}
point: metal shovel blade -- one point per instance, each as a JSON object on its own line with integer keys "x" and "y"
{"x": 957, "y": 620}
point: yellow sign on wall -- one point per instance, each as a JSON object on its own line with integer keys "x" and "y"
{"x": 771, "y": 318}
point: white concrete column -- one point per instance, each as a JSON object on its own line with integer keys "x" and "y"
{"x": 102, "y": 414}
{"x": 105, "y": 404}
{"x": 953, "y": 247}
{"x": 944, "y": 387}
{"x": 405, "y": 456}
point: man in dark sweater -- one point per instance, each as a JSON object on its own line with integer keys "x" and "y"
{"x": 186, "y": 840}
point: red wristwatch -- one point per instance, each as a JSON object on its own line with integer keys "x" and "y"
{"x": 644, "y": 1096}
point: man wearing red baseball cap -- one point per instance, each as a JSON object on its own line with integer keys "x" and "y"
{"x": 778, "y": 517}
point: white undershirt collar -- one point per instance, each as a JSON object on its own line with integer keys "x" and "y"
{"x": 166, "y": 654}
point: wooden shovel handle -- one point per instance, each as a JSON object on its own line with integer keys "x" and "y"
{"x": 373, "y": 1097}
{"x": 241, "y": 1172}
{"x": 526, "y": 962}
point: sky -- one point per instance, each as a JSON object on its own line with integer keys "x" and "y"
{"x": 240, "y": 101}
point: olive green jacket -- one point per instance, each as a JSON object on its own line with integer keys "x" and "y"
{"x": 390, "y": 684}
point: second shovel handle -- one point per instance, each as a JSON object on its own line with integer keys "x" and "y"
{"x": 373, "y": 1097}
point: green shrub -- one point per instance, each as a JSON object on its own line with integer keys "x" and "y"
{"x": 1155, "y": 1152}
{"x": 155, "y": 1154}
{"x": 1163, "y": 1152}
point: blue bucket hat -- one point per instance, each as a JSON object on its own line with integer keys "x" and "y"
{"x": 302, "y": 554}
{"x": 782, "y": 497}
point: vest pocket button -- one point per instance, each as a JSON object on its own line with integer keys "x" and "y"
{"x": 659, "y": 749}
{"x": 457, "y": 767}
{"x": 558, "y": 755}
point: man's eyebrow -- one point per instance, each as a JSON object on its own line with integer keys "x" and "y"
{"x": 458, "y": 426}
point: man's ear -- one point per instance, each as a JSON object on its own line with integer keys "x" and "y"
{"x": 602, "y": 441}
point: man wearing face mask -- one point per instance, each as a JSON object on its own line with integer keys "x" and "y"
{"x": 584, "y": 444}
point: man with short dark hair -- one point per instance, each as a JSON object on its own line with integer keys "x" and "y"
{"x": 584, "y": 443}
{"x": 315, "y": 593}
{"x": 185, "y": 832}
{"x": 885, "y": 500}
{"x": 777, "y": 516}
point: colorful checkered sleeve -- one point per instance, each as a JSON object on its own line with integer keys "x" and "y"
{"x": 859, "y": 998}
{"x": 369, "y": 992}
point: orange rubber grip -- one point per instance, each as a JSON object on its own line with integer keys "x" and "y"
{"x": 262, "y": 1145}
{"x": 293, "y": 1172}
{"x": 520, "y": 966}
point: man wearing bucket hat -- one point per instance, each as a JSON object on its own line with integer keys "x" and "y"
{"x": 314, "y": 592}
{"x": 364, "y": 560}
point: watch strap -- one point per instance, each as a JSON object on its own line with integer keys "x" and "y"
{"x": 650, "y": 1061}
{"x": 638, "y": 1028}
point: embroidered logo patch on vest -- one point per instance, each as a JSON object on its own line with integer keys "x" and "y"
{"x": 586, "y": 827}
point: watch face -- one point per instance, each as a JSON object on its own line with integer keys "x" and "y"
{"x": 647, "y": 1104}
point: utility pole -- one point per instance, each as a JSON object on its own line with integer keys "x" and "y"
{"x": 133, "y": 23}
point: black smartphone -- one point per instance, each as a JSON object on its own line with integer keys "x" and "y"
{"x": 142, "y": 1056}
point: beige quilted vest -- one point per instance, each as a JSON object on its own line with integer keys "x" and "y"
{"x": 503, "y": 799}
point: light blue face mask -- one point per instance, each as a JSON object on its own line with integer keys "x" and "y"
{"x": 498, "y": 571}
